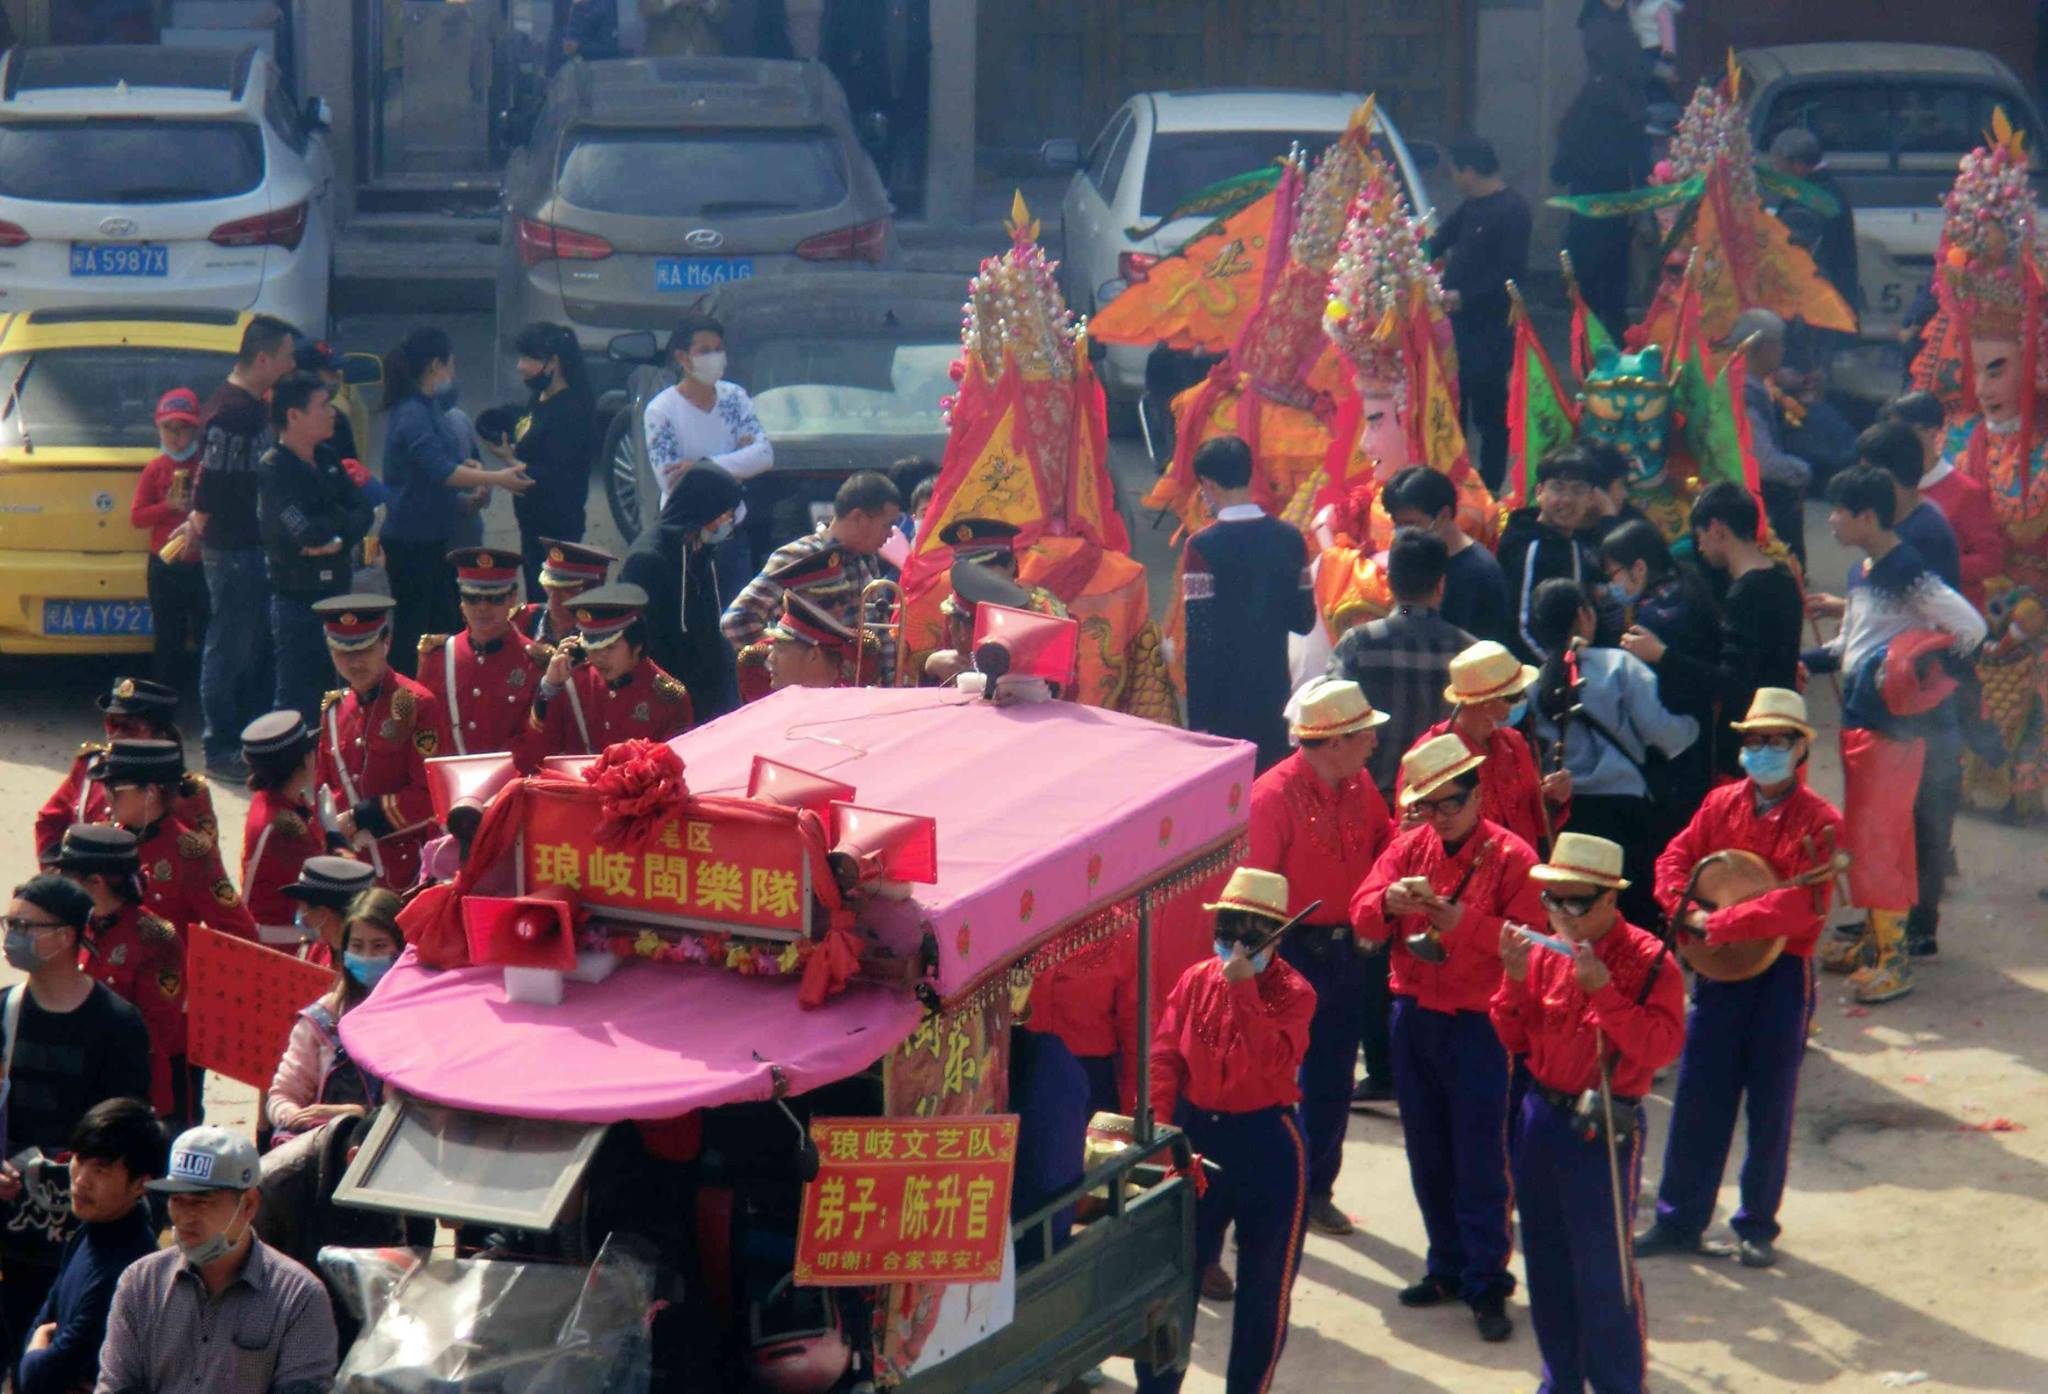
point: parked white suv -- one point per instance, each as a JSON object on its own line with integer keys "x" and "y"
{"x": 1157, "y": 150}
{"x": 167, "y": 178}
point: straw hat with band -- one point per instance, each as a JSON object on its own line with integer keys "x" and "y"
{"x": 1581, "y": 858}
{"x": 1485, "y": 672}
{"x": 1254, "y": 892}
{"x": 1435, "y": 763}
{"x": 1332, "y": 708}
{"x": 1776, "y": 709}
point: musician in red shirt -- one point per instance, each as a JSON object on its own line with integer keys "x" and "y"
{"x": 132, "y": 707}
{"x": 1438, "y": 896}
{"x": 1319, "y": 821}
{"x": 1489, "y": 688}
{"x": 1614, "y": 998}
{"x": 326, "y": 887}
{"x": 1749, "y": 1037}
{"x": 375, "y": 736}
{"x": 1225, "y": 1063}
{"x": 568, "y": 570}
{"x": 600, "y": 687}
{"x": 283, "y": 828}
{"x": 180, "y": 867}
{"x": 486, "y": 676}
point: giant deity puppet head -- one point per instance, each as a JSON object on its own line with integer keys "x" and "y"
{"x": 1381, "y": 267}
{"x": 1627, "y": 402}
{"x": 1988, "y": 261}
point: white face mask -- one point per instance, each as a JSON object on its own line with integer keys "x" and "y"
{"x": 707, "y": 368}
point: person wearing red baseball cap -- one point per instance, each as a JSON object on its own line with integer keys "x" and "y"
{"x": 162, "y": 506}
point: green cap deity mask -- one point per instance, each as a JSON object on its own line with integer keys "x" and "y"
{"x": 1628, "y": 406}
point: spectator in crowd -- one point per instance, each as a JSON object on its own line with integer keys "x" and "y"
{"x": 556, "y": 439}
{"x": 425, "y": 467}
{"x": 705, "y": 418}
{"x": 116, "y": 1150}
{"x": 234, "y": 431}
{"x": 1758, "y": 640}
{"x": 316, "y": 1081}
{"x": 1830, "y": 238}
{"x": 1670, "y": 600}
{"x": 676, "y": 563}
{"x": 273, "y": 1320}
{"x": 324, "y": 361}
{"x": 1619, "y": 734}
{"x": 1785, "y": 476}
{"x": 326, "y": 887}
{"x": 1544, "y": 540}
{"x": 1601, "y": 150}
{"x": 1475, "y": 592}
{"x": 1656, "y": 26}
{"x": 1609, "y": 506}
{"x": 1245, "y": 583}
{"x": 1964, "y": 502}
{"x": 313, "y": 518}
{"x": 69, "y": 1044}
{"x": 591, "y": 32}
{"x": 1483, "y": 245}
{"x": 911, "y": 475}
{"x": 1892, "y": 447}
{"x": 162, "y": 507}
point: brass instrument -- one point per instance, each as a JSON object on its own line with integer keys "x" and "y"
{"x": 889, "y": 628}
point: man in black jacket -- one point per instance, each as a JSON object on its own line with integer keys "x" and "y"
{"x": 673, "y": 564}
{"x": 1483, "y": 245}
{"x": 312, "y": 517}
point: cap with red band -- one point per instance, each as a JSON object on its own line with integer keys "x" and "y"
{"x": 804, "y": 623}
{"x": 604, "y": 614}
{"x": 179, "y": 404}
{"x": 573, "y": 565}
{"x": 484, "y": 570}
{"x": 807, "y": 572}
{"x": 354, "y": 622}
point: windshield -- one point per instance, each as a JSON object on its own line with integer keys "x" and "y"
{"x": 129, "y": 161}
{"x": 98, "y": 397}
{"x": 701, "y": 174}
{"x": 852, "y": 387}
{"x": 1182, "y": 164}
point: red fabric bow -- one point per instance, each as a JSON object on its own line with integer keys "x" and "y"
{"x": 640, "y": 786}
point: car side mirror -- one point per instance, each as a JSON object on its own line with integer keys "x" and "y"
{"x": 362, "y": 369}
{"x": 638, "y": 346}
{"x": 1061, "y": 155}
{"x": 1426, "y": 154}
{"x": 319, "y": 115}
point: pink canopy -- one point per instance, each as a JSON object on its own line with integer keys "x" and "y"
{"x": 652, "y": 1041}
{"x": 1044, "y": 814}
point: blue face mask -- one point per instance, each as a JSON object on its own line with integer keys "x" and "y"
{"x": 306, "y": 928}
{"x": 719, "y": 534}
{"x": 181, "y": 456}
{"x": 1519, "y": 710}
{"x": 1767, "y": 766}
{"x": 367, "y": 971}
{"x": 1226, "y": 947}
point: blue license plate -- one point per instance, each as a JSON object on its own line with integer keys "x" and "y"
{"x": 700, "y": 273}
{"x": 120, "y": 259}
{"x": 91, "y": 618}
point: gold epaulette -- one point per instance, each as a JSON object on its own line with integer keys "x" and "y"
{"x": 288, "y": 823}
{"x": 192, "y": 844}
{"x": 432, "y": 643}
{"x": 154, "y": 928}
{"x": 669, "y": 690}
{"x": 329, "y": 699}
{"x": 403, "y": 705}
{"x": 90, "y": 748}
{"x": 540, "y": 653}
{"x": 192, "y": 785}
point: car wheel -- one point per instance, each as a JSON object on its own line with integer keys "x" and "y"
{"x": 624, "y": 475}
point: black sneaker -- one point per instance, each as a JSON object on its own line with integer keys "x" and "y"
{"x": 1925, "y": 946}
{"x": 1490, "y": 1313}
{"x": 1661, "y": 1238}
{"x": 1756, "y": 1253}
{"x": 1433, "y": 1291}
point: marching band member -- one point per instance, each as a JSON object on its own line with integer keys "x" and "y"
{"x": 180, "y": 867}
{"x": 1450, "y": 1071}
{"x": 1226, "y": 1062}
{"x": 600, "y": 687}
{"x": 132, "y": 707}
{"x": 1317, "y": 820}
{"x": 484, "y": 677}
{"x": 808, "y": 648}
{"x": 325, "y": 889}
{"x": 136, "y": 954}
{"x": 566, "y": 571}
{"x": 375, "y": 736}
{"x": 1749, "y": 1037}
{"x": 1612, "y": 1009}
{"x": 1487, "y": 689}
{"x": 282, "y": 829}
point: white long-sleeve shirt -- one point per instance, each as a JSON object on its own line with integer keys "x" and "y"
{"x": 1896, "y": 594}
{"x": 679, "y": 434}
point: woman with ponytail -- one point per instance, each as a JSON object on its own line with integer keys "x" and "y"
{"x": 555, "y": 438}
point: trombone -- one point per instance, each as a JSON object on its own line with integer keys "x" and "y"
{"x": 887, "y": 595}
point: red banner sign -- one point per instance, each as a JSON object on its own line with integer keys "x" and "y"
{"x": 701, "y": 871}
{"x": 241, "y": 999}
{"x": 896, "y": 1199}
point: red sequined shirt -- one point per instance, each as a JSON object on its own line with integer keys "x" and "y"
{"x": 1552, "y": 1020}
{"x": 1489, "y": 878}
{"x": 1231, "y": 1047}
{"x": 1322, "y": 839}
{"x": 1510, "y": 793}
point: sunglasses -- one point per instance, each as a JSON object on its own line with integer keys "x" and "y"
{"x": 1442, "y": 807}
{"x": 1576, "y": 906}
{"x": 15, "y": 924}
{"x": 1777, "y": 742}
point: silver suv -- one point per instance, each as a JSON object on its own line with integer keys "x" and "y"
{"x": 649, "y": 182}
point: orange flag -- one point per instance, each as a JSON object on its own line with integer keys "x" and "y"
{"x": 1198, "y": 299}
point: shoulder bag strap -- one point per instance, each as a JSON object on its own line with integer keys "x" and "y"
{"x": 11, "y": 1023}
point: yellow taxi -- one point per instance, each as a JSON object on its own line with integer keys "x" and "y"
{"x": 78, "y": 394}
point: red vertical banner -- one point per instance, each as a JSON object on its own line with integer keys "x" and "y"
{"x": 241, "y": 999}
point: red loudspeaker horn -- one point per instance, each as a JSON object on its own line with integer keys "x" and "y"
{"x": 871, "y": 847}
{"x": 774, "y": 782}
{"x": 1023, "y": 643}
{"x": 527, "y": 931}
{"x": 570, "y": 765}
{"x": 462, "y": 787}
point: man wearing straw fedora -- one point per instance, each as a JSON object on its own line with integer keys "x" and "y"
{"x": 1438, "y": 896}
{"x": 1225, "y": 1064}
{"x": 1317, "y": 820}
{"x": 1597, "y": 1011}
{"x": 1747, "y": 1037}
{"x": 1488, "y": 694}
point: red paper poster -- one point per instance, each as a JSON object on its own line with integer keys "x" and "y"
{"x": 896, "y": 1198}
{"x": 241, "y": 999}
{"x": 701, "y": 871}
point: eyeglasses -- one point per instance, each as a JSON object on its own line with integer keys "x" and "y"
{"x": 1576, "y": 906}
{"x": 15, "y": 924}
{"x": 1442, "y": 807}
{"x": 1780, "y": 741}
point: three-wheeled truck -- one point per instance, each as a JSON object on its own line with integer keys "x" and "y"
{"x": 831, "y": 906}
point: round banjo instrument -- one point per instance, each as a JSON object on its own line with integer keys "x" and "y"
{"x": 1721, "y": 879}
